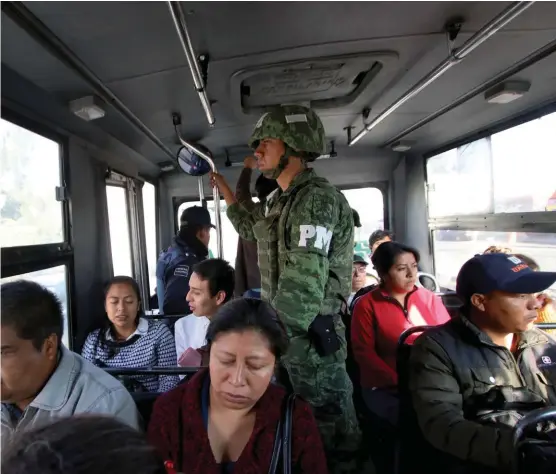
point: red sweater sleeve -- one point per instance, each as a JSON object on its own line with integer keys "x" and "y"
{"x": 371, "y": 366}
{"x": 307, "y": 450}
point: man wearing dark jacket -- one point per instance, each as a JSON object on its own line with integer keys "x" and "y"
{"x": 248, "y": 275}
{"x": 465, "y": 376}
{"x": 173, "y": 269}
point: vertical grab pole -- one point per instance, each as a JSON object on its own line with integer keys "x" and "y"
{"x": 201, "y": 190}
{"x": 215, "y": 194}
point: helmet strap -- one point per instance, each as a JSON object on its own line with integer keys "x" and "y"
{"x": 284, "y": 160}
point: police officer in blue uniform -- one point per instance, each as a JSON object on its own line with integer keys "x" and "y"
{"x": 173, "y": 269}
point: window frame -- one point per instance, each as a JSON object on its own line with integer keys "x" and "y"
{"x": 136, "y": 228}
{"x": 156, "y": 230}
{"x": 30, "y": 258}
{"x": 383, "y": 187}
{"x": 534, "y": 222}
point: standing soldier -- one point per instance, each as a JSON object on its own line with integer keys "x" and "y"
{"x": 305, "y": 250}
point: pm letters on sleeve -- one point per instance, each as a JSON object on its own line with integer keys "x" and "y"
{"x": 322, "y": 236}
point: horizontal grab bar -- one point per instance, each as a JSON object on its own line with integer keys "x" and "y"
{"x": 151, "y": 370}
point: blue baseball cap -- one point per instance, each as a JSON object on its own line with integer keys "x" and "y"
{"x": 500, "y": 272}
{"x": 197, "y": 216}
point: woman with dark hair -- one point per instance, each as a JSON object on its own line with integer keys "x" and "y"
{"x": 225, "y": 418}
{"x": 382, "y": 315}
{"x": 128, "y": 340}
{"x": 82, "y": 445}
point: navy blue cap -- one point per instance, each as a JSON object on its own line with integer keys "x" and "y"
{"x": 197, "y": 216}
{"x": 500, "y": 272}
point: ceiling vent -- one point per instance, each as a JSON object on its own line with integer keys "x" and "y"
{"x": 324, "y": 83}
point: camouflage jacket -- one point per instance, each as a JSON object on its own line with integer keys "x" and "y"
{"x": 305, "y": 241}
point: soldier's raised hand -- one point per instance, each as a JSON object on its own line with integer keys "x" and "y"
{"x": 217, "y": 180}
{"x": 250, "y": 162}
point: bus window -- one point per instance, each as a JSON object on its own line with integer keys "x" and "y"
{"x": 29, "y": 211}
{"x": 149, "y": 215}
{"x": 229, "y": 234}
{"x": 490, "y": 175}
{"x": 495, "y": 182}
{"x": 369, "y": 203}
{"x": 452, "y": 248}
{"x": 523, "y": 155}
{"x": 54, "y": 279}
{"x": 119, "y": 230}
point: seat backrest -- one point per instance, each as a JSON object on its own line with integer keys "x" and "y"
{"x": 428, "y": 281}
{"x": 145, "y": 403}
{"x": 452, "y": 302}
{"x": 411, "y": 441}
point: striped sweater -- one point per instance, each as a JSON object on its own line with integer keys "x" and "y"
{"x": 154, "y": 347}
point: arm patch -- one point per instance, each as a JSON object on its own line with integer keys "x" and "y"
{"x": 182, "y": 271}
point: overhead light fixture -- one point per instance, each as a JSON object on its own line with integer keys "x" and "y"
{"x": 401, "y": 146}
{"x": 88, "y": 108}
{"x": 167, "y": 166}
{"x": 506, "y": 92}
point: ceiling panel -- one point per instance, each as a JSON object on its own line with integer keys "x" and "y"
{"x": 133, "y": 47}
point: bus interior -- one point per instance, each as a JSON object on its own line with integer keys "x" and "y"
{"x": 438, "y": 117}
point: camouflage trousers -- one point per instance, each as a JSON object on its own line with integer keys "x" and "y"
{"x": 325, "y": 385}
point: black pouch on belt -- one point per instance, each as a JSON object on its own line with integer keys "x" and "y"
{"x": 322, "y": 334}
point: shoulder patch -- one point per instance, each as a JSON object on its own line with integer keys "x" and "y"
{"x": 321, "y": 234}
{"x": 182, "y": 271}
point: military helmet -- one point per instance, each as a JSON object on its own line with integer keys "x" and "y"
{"x": 300, "y": 128}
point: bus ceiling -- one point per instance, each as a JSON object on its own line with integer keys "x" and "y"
{"x": 347, "y": 75}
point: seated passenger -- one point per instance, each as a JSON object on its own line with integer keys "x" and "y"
{"x": 378, "y": 237}
{"x": 128, "y": 340}
{"x": 58, "y": 448}
{"x": 41, "y": 379}
{"x": 547, "y": 311}
{"x": 224, "y": 419}
{"x": 497, "y": 249}
{"x": 211, "y": 285}
{"x": 381, "y": 316}
{"x": 358, "y": 277}
{"x": 473, "y": 378}
{"x": 173, "y": 269}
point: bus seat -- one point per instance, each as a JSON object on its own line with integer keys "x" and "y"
{"x": 428, "y": 281}
{"x": 145, "y": 403}
{"x": 411, "y": 444}
{"x": 452, "y": 302}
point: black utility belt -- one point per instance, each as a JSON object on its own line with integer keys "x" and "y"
{"x": 322, "y": 334}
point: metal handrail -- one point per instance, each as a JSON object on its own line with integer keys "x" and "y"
{"x": 151, "y": 370}
{"x": 496, "y": 24}
{"x": 215, "y": 192}
{"x": 187, "y": 45}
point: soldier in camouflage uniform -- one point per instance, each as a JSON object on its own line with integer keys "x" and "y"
{"x": 305, "y": 250}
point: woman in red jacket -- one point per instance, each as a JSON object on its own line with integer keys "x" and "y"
{"x": 381, "y": 316}
{"x": 225, "y": 418}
